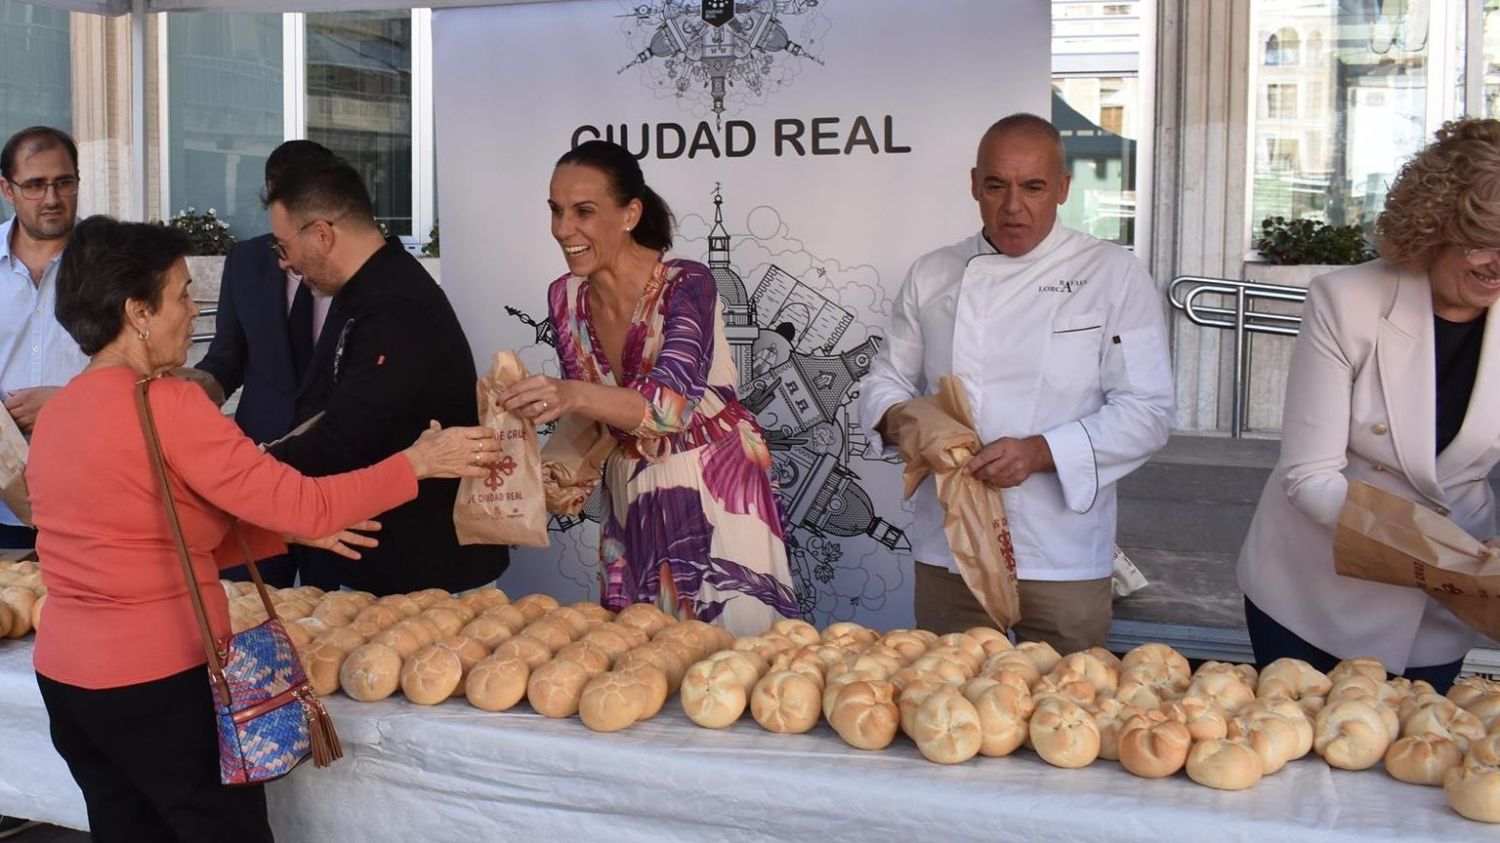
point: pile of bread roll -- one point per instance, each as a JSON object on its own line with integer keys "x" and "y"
{"x": 1226, "y": 726}
{"x": 21, "y": 597}
{"x": 433, "y": 646}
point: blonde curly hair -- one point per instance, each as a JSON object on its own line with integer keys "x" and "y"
{"x": 1447, "y": 195}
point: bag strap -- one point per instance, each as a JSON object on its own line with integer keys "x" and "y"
{"x": 195, "y": 595}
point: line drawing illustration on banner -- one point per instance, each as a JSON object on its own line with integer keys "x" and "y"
{"x": 734, "y": 51}
{"x": 801, "y": 343}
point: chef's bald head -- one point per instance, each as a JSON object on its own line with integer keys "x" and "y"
{"x": 1023, "y": 125}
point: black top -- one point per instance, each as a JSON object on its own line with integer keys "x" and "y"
{"x": 1456, "y": 347}
{"x": 401, "y": 359}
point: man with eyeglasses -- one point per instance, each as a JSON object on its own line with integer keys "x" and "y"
{"x": 39, "y": 178}
{"x": 273, "y": 342}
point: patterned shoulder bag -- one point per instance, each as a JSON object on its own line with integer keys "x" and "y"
{"x": 268, "y": 716}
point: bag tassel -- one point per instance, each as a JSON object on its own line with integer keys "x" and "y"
{"x": 326, "y": 748}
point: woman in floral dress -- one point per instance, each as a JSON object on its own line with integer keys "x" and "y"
{"x": 693, "y": 521}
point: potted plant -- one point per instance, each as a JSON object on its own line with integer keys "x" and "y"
{"x": 211, "y": 241}
{"x": 1292, "y": 252}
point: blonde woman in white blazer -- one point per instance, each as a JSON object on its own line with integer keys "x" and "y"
{"x": 1395, "y": 380}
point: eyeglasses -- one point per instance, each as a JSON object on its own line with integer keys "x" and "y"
{"x": 37, "y": 188}
{"x": 280, "y": 250}
{"x": 1481, "y": 256}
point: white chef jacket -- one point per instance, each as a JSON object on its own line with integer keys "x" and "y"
{"x": 1067, "y": 341}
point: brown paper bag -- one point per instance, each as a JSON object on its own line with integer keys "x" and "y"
{"x": 573, "y": 462}
{"x": 1387, "y": 538}
{"x": 14, "y": 452}
{"x": 937, "y": 437}
{"x": 508, "y": 505}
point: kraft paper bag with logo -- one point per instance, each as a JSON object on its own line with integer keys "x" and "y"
{"x": 14, "y": 452}
{"x": 508, "y": 505}
{"x": 1387, "y": 538}
{"x": 937, "y": 437}
{"x": 573, "y": 462}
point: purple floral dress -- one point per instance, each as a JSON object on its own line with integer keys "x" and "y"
{"x": 693, "y": 521}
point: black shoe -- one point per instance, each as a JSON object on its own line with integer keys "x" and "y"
{"x": 11, "y": 826}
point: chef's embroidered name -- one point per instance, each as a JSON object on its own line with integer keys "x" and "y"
{"x": 1070, "y": 286}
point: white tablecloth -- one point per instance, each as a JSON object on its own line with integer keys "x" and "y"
{"x": 453, "y": 773}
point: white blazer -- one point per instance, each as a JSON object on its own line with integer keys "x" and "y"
{"x": 1361, "y": 404}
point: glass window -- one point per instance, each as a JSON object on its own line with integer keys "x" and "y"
{"x": 224, "y": 113}
{"x": 1491, "y": 58}
{"x": 35, "y": 70}
{"x": 1331, "y": 153}
{"x": 359, "y": 104}
{"x": 1098, "y": 109}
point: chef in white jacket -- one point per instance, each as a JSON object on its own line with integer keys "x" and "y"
{"x": 1060, "y": 340}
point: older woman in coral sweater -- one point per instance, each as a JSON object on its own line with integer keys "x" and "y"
{"x": 120, "y": 660}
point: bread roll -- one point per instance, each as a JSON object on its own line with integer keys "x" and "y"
{"x": 1367, "y": 667}
{"x": 643, "y": 616}
{"x": 1224, "y": 764}
{"x": 613, "y": 642}
{"x": 967, "y": 643}
{"x": 943, "y": 668}
{"x": 786, "y": 702}
{"x": 713, "y": 694}
{"x": 447, "y": 619}
{"x": 423, "y": 629}
{"x": 429, "y": 597}
{"x": 1012, "y": 663}
{"x": 343, "y": 637}
{"x": 513, "y": 618}
{"x": 799, "y": 631}
{"x": 372, "y": 672}
{"x": 1448, "y": 721}
{"x": 1063, "y": 733}
{"x": 1245, "y": 672}
{"x": 1004, "y": 712}
{"x": 946, "y": 727}
{"x": 1422, "y": 759}
{"x": 432, "y": 675}
{"x": 556, "y": 687}
{"x": 1474, "y": 791}
{"x": 402, "y": 639}
{"x": 20, "y": 599}
{"x": 402, "y": 603}
{"x": 1226, "y": 690}
{"x": 1273, "y": 737}
{"x": 1206, "y": 720}
{"x": 911, "y": 697}
{"x": 489, "y": 632}
{"x": 611, "y": 701}
{"x": 527, "y": 649}
{"x": 7, "y": 619}
{"x": 555, "y": 634}
{"x": 1470, "y": 688}
{"x": 576, "y": 622}
{"x": 1080, "y": 692}
{"x": 653, "y": 681}
{"x": 1153, "y": 746}
{"x": 1486, "y": 707}
{"x": 1355, "y": 686}
{"x": 469, "y": 651}
{"x": 321, "y": 663}
{"x": 533, "y": 606}
{"x": 1110, "y": 716}
{"x": 1177, "y": 666}
{"x": 1087, "y": 667}
{"x": 1295, "y": 680}
{"x": 865, "y": 714}
{"x": 382, "y": 615}
{"x": 336, "y": 611}
{"x": 36, "y": 612}
{"x": 1149, "y": 685}
{"x": 1291, "y": 713}
{"x": 746, "y": 666}
{"x": 1351, "y": 735}
{"x": 595, "y": 613}
{"x": 497, "y": 683}
{"x": 1041, "y": 654}
{"x": 908, "y": 644}
{"x": 485, "y": 597}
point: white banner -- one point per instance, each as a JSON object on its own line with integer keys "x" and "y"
{"x": 825, "y": 144}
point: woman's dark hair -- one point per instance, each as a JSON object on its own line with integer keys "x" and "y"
{"x": 654, "y": 231}
{"x": 106, "y": 263}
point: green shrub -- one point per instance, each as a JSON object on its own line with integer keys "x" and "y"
{"x": 1284, "y": 241}
{"x": 210, "y": 235}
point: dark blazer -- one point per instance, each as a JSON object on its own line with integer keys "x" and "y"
{"x": 400, "y": 360}
{"x": 250, "y": 349}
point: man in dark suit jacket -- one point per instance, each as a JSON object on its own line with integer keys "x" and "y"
{"x": 399, "y": 361}
{"x": 253, "y": 350}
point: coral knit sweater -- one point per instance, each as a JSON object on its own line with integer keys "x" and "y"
{"x": 117, "y": 610}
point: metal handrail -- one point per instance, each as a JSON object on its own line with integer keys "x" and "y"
{"x": 1242, "y": 319}
{"x": 204, "y": 313}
